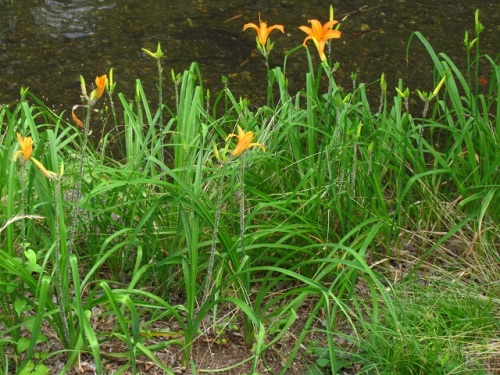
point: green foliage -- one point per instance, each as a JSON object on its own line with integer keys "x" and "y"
{"x": 313, "y": 221}
{"x": 442, "y": 338}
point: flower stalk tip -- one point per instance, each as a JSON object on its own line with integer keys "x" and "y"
{"x": 49, "y": 174}
{"x": 110, "y": 82}
{"x": 155, "y": 55}
{"x": 404, "y": 94}
{"x": 438, "y": 87}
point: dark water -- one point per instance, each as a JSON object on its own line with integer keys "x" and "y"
{"x": 46, "y": 44}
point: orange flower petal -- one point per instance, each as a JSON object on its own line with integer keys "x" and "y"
{"x": 26, "y": 145}
{"x": 483, "y": 81}
{"x": 244, "y": 141}
{"x": 101, "y": 85}
{"x": 76, "y": 119}
{"x": 320, "y": 34}
{"x": 263, "y": 31}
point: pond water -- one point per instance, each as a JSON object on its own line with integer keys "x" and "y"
{"x": 46, "y": 44}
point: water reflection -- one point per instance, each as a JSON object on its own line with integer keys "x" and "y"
{"x": 69, "y": 19}
{"x": 46, "y": 45}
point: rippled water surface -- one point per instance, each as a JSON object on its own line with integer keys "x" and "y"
{"x": 46, "y": 44}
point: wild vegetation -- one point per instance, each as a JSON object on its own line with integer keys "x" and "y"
{"x": 316, "y": 230}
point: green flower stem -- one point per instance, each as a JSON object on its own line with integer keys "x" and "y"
{"x": 160, "y": 107}
{"x": 248, "y": 332}
{"x": 214, "y": 237}
{"x": 241, "y": 177}
{"x": 78, "y": 187}
{"x": 10, "y": 209}
{"x": 61, "y": 265}
{"x": 113, "y": 111}
{"x": 23, "y": 184}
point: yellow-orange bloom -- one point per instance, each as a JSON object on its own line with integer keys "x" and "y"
{"x": 320, "y": 34}
{"x": 244, "y": 141}
{"x": 26, "y": 148}
{"x": 100, "y": 83}
{"x": 263, "y": 31}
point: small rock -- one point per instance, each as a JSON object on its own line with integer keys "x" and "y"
{"x": 365, "y": 27}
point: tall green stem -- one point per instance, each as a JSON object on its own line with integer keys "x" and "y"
{"x": 248, "y": 333}
{"x": 214, "y": 237}
{"x": 78, "y": 188}
{"x": 61, "y": 265}
{"x": 160, "y": 108}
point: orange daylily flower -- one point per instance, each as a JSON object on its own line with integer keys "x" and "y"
{"x": 26, "y": 148}
{"x": 244, "y": 141}
{"x": 263, "y": 31}
{"x": 26, "y": 151}
{"x": 320, "y": 34}
{"x": 100, "y": 83}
